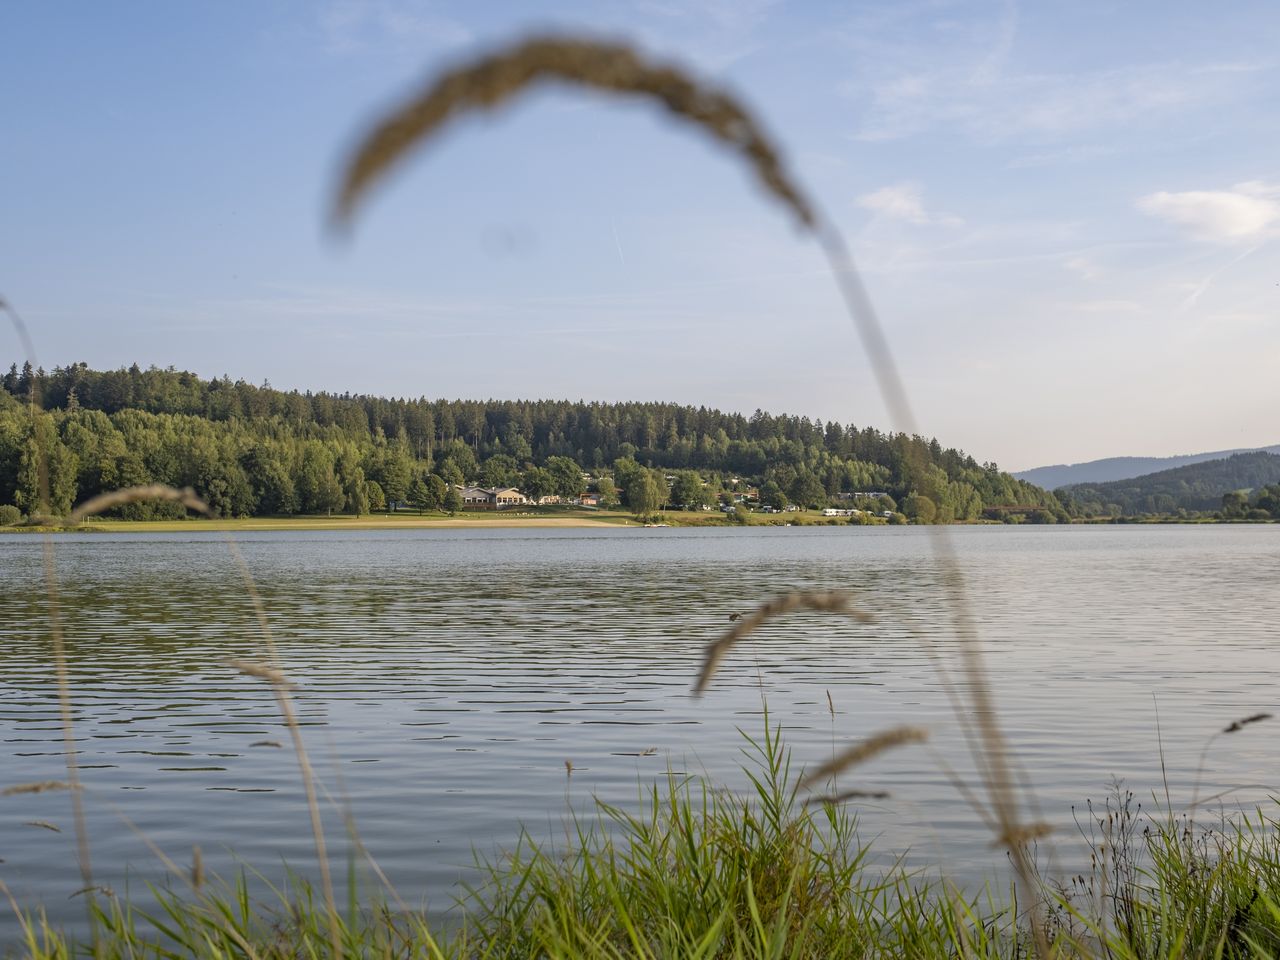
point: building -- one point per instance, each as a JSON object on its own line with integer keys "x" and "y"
{"x": 491, "y": 498}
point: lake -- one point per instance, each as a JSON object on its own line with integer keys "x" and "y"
{"x": 446, "y": 676}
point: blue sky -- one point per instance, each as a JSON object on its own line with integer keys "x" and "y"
{"x": 1065, "y": 213}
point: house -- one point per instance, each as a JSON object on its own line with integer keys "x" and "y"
{"x": 474, "y": 498}
{"x": 589, "y": 500}
{"x": 504, "y": 497}
{"x": 490, "y": 498}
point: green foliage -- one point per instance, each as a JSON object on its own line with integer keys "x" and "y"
{"x": 688, "y": 491}
{"x": 772, "y": 495}
{"x": 608, "y": 492}
{"x": 807, "y": 491}
{"x": 566, "y": 477}
{"x": 452, "y": 500}
{"x": 500, "y": 470}
{"x": 536, "y": 483}
{"x": 436, "y": 490}
{"x": 319, "y": 490}
{"x": 251, "y": 450}
{"x": 457, "y": 456}
{"x": 423, "y": 495}
{"x": 1264, "y": 504}
{"x": 451, "y": 473}
{"x": 1197, "y": 487}
{"x": 392, "y": 468}
{"x": 646, "y": 492}
{"x": 920, "y": 508}
{"x": 1268, "y": 499}
{"x": 375, "y": 496}
{"x": 9, "y": 515}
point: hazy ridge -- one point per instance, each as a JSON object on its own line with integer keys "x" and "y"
{"x": 1194, "y": 487}
{"x": 1110, "y": 469}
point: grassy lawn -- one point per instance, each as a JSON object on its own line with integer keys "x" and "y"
{"x": 549, "y": 516}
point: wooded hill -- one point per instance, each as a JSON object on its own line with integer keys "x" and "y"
{"x": 1196, "y": 488}
{"x": 253, "y": 450}
{"x": 1111, "y": 469}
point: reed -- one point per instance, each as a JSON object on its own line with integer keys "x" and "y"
{"x": 862, "y": 752}
{"x": 744, "y": 625}
{"x": 698, "y": 871}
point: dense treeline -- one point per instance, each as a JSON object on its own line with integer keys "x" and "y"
{"x": 1261, "y": 504}
{"x": 1195, "y": 488}
{"x": 255, "y": 450}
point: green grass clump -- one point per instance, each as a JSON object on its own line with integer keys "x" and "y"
{"x": 699, "y": 872}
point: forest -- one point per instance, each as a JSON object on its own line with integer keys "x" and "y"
{"x": 253, "y": 450}
{"x": 1207, "y": 488}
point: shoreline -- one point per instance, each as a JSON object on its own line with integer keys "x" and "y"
{"x": 367, "y": 522}
{"x": 497, "y": 521}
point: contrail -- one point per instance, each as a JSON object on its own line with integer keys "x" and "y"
{"x": 1204, "y": 284}
{"x": 617, "y": 243}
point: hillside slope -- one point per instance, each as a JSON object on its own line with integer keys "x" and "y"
{"x": 252, "y": 450}
{"x": 1121, "y": 468}
{"x": 1195, "y": 487}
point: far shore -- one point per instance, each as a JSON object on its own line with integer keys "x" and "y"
{"x": 375, "y": 521}
{"x": 556, "y": 518}
{"x": 405, "y": 520}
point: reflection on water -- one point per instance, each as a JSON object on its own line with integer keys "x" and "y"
{"x": 446, "y": 676}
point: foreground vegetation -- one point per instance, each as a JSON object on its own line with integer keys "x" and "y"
{"x": 700, "y": 873}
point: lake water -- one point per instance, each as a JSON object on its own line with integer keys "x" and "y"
{"x": 445, "y": 676}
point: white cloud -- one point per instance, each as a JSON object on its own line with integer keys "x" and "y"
{"x": 903, "y": 201}
{"x": 1082, "y": 267}
{"x": 916, "y": 74}
{"x": 355, "y": 26}
{"x": 1043, "y": 107}
{"x": 1246, "y": 212}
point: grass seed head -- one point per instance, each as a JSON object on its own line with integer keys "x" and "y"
{"x": 862, "y": 752}
{"x": 43, "y": 786}
{"x": 152, "y": 491}
{"x": 1245, "y": 721}
{"x": 823, "y": 601}
{"x": 489, "y": 81}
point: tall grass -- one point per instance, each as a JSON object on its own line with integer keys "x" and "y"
{"x": 699, "y": 872}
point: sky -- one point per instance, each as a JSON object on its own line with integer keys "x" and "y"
{"x": 1065, "y": 214}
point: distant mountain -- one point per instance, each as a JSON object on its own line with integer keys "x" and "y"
{"x": 1121, "y": 468}
{"x": 1195, "y": 487}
